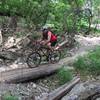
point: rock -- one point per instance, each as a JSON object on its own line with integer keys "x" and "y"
{"x": 10, "y": 42}
{"x": 24, "y": 91}
{"x": 8, "y": 55}
{"x": 34, "y": 85}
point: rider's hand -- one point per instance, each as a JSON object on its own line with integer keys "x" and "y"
{"x": 43, "y": 42}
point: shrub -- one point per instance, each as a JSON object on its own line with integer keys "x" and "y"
{"x": 9, "y": 97}
{"x": 64, "y": 75}
{"x": 90, "y": 63}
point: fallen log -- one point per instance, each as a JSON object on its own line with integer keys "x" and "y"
{"x": 63, "y": 43}
{"x": 84, "y": 91}
{"x": 62, "y": 91}
{"x": 26, "y": 74}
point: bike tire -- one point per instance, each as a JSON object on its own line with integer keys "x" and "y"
{"x": 33, "y": 59}
{"x": 55, "y": 56}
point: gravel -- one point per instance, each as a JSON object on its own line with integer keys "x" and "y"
{"x": 23, "y": 91}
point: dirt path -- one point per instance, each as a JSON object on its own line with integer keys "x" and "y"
{"x": 84, "y": 44}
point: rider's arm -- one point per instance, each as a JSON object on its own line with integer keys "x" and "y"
{"x": 49, "y": 38}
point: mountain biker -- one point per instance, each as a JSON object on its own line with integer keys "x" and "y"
{"x": 48, "y": 38}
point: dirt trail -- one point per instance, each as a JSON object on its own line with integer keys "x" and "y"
{"x": 84, "y": 44}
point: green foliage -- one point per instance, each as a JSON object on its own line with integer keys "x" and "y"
{"x": 40, "y": 12}
{"x": 64, "y": 75}
{"x": 90, "y": 63}
{"x": 19, "y": 34}
{"x": 33, "y": 10}
{"x": 97, "y": 31}
{"x": 9, "y": 97}
{"x": 63, "y": 17}
{"x": 36, "y": 35}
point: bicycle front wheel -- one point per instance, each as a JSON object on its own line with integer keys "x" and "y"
{"x": 33, "y": 60}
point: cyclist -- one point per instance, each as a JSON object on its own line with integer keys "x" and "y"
{"x": 48, "y": 38}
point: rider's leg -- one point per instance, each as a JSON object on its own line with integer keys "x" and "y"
{"x": 53, "y": 43}
{"x": 49, "y": 45}
{"x": 49, "y": 49}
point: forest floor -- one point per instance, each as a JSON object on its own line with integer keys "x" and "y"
{"x": 83, "y": 44}
{"x": 44, "y": 86}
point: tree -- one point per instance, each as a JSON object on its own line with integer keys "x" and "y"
{"x": 33, "y": 10}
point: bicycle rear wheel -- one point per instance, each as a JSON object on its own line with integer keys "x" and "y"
{"x": 55, "y": 56}
{"x": 33, "y": 60}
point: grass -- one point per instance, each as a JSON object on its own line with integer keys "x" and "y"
{"x": 54, "y": 81}
{"x": 89, "y": 64}
{"x": 64, "y": 75}
{"x": 8, "y": 96}
{"x": 97, "y": 31}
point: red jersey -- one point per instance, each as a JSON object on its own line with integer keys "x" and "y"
{"x": 52, "y": 37}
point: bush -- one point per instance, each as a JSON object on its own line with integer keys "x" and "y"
{"x": 9, "y": 97}
{"x": 90, "y": 63}
{"x": 64, "y": 75}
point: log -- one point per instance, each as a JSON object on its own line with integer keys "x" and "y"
{"x": 26, "y": 74}
{"x": 61, "y": 91}
{"x": 84, "y": 91}
{"x": 63, "y": 43}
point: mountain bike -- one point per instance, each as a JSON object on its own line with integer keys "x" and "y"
{"x": 41, "y": 53}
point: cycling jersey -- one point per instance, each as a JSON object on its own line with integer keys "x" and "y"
{"x": 51, "y": 37}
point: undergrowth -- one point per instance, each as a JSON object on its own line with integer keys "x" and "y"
{"x": 64, "y": 75}
{"x": 89, "y": 64}
{"x": 8, "y": 96}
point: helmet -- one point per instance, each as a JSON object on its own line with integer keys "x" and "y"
{"x": 47, "y": 26}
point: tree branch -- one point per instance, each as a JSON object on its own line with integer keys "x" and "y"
{"x": 9, "y": 14}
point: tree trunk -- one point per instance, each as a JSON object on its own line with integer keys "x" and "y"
{"x": 13, "y": 23}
